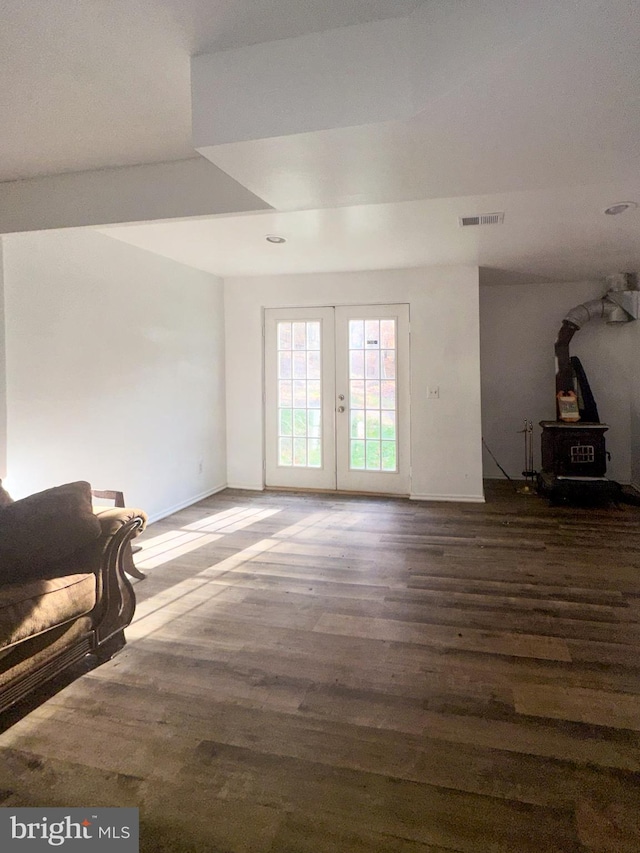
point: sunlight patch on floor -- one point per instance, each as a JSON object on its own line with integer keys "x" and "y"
{"x": 230, "y": 520}
{"x": 173, "y": 548}
{"x": 316, "y": 518}
{"x": 160, "y": 549}
{"x": 187, "y": 595}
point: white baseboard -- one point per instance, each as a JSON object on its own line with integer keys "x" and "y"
{"x": 635, "y": 486}
{"x": 244, "y": 487}
{"x": 188, "y": 502}
{"x": 468, "y": 499}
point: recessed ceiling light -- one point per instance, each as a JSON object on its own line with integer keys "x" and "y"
{"x": 275, "y": 238}
{"x": 620, "y": 207}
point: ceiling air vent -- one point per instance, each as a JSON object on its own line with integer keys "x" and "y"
{"x": 483, "y": 219}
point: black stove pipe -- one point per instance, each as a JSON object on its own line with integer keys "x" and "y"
{"x": 564, "y": 371}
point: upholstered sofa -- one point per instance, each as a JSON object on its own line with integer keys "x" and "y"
{"x": 64, "y": 593}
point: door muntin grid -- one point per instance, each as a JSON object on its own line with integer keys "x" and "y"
{"x": 373, "y": 395}
{"x": 299, "y": 409}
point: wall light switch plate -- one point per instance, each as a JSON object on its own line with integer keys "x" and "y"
{"x": 433, "y": 392}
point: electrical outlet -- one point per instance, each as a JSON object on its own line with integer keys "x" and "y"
{"x": 433, "y": 392}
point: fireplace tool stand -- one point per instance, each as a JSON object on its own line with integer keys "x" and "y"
{"x": 528, "y": 473}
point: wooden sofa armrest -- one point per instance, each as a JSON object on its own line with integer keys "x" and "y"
{"x": 112, "y": 518}
{"x": 116, "y": 598}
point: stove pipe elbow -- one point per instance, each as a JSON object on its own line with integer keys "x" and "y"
{"x": 619, "y": 305}
{"x": 603, "y": 308}
{"x": 575, "y": 319}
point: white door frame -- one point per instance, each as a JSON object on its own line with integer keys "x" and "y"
{"x": 334, "y": 473}
{"x": 396, "y": 482}
{"x": 290, "y": 476}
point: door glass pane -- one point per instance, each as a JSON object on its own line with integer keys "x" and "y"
{"x": 373, "y": 364}
{"x": 388, "y": 334}
{"x": 299, "y": 415}
{"x": 285, "y": 451}
{"x": 313, "y": 453}
{"x": 387, "y": 425}
{"x": 372, "y": 334}
{"x": 284, "y": 394}
{"x": 284, "y": 336}
{"x": 372, "y": 395}
{"x": 373, "y": 455}
{"x": 388, "y": 395}
{"x": 300, "y": 452}
{"x": 373, "y": 424}
{"x": 313, "y": 335}
{"x": 356, "y": 334}
{"x": 388, "y": 364}
{"x": 356, "y": 364}
{"x": 313, "y": 420}
{"x": 286, "y": 422}
{"x": 388, "y": 456}
{"x": 300, "y": 393}
{"x": 373, "y": 402}
{"x": 313, "y": 365}
{"x": 356, "y": 395}
{"x": 357, "y": 423}
{"x": 284, "y": 365}
{"x": 356, "y": 458}
{"x": 300, "y": 422}
{"x": 299, "y": 336}
{"x": 299, "y": 365}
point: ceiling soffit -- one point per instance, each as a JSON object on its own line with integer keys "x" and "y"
{"x": 425, "y": 106}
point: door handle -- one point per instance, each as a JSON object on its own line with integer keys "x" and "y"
{"x": 340, "y": 409}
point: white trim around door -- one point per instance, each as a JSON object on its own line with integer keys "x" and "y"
{"x": 337, "y": 398}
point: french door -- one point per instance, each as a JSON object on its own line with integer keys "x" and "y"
{"x": 337, "y": 398}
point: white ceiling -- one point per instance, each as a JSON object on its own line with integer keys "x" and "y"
{"x": 537, "y": 116}
{"x": 86, "y": 84}
{"x": 538, "y": 227}
{"x": 559, "y": 107}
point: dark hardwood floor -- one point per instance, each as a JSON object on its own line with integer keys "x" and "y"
{"x": 324, "y": 674}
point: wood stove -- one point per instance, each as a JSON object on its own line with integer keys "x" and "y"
{"x": 574, "y": 460}
{"x": 574, "y": 449}
{"x": 574, "y": 456}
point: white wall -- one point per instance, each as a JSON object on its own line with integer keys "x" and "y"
{"x": 3, "y": 375}
{"x": 518, "y": 327}
{"x": 445, "y": 433}
{"x": 115, "y": 370}
{"x": 635, "y": 405}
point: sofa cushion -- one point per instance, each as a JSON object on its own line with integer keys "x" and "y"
{"x": 38, "y": 532}
{"x": 28, "y": 609}
{"x": 23, "y": 659}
